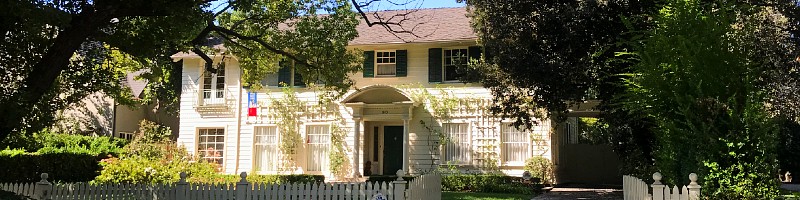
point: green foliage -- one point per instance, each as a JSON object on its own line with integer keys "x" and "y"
{"x": 699, "y": 83}
{"x": 153, "y": 158}
{"x": 491, "y": 183}
{"x": 61, "y": 167}
{"x": 45, "y": 142}
{"x": 338, "y": 162}
{"x": 289, "y": 108}
{"x": 541, "y": 168}
{"x": 266, "y": 179}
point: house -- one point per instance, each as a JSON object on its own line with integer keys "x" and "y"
{"x": 99, "y": 114}
{"x": 408, "y": 111}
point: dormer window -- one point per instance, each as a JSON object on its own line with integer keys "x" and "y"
{"x": 214, "y": 84}
{"x": 386, "y": 63}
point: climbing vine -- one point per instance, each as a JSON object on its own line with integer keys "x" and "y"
{"x": 289, "y": 109}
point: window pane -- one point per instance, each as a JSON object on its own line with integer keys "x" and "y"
{"x": 211, "y": 145}
{"x": 514, "y": 143}
{"x": 318, "y": 145}
{"x": 457, "y": 149}
{"x": 387, "y": 70}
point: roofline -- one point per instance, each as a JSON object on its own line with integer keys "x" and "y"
{"x": 417, "y": 42}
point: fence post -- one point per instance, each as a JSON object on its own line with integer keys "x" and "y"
{"x": 658, "y": 188}
{"x": 242, "y": 187}
{"x": 399, "y": 192}
{"x": 44, "y": 190}
{"x": 694, "y": 188}
{"x": 181, "y": 190}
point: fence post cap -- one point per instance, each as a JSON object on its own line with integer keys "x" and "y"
{"x": 693, "y": 184}
{"x": 400, "y": 174}
{"x": 657, "y": 178}
{"x": 44, "y": 177}
{"x": 183, "y": 177}
{"x": 244, "y": 177}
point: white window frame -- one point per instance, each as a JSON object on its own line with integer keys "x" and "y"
{"x": 506, "y": 128}
{"x": 445, "y": 58}
{"x": 324, "y": 161}
{"x": 453, "y": 145}
{"x": 274, "y": 165}
{"x": 202, "y": 151}
{"x": 378, "y": 62}
{"x": 125, "y": 135}
{"x": 215, "y": 95}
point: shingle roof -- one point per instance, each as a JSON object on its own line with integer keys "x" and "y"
{"x": 429, "y": 25}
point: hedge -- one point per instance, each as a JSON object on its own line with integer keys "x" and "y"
{"x": 267, "y": 179}
{"x": 63, "y": 167}
{"x": 485, "y": 184}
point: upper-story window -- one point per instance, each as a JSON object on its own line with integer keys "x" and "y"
{"x": 214, "y": 84}
{"x": 288, "y": 74}
{"x": 453, "y": 58}
{"x": 386, "y": 63}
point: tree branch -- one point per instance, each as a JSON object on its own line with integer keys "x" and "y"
{"x": 261, "y": 42}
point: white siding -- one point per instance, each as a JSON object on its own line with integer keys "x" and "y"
{"x": 424, "y": 149}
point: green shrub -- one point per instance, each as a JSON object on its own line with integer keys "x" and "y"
{"x": 266, "y": 179}
{"x": 45, "y": 142}
{"x": 63, "y": 167}
{"x": 491, "y": 183}
{"x": 541, "y": 168}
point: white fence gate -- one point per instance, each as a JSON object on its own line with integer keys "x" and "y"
{"x": 428, "y": 185}
{"x": 635, "y": 189}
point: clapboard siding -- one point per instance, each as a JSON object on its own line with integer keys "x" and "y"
{"x": 423, "y": 147}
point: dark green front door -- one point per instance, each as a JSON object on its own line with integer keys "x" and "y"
{"x": 392, "y": 149}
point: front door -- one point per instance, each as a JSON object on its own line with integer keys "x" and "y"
{"x": 392, "y": 149}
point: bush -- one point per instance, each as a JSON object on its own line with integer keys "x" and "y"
{"x": 45, "y": 142}
{"x": 153, "y": 158}
{"x": 64, "y": 167}
{"x": 485, "y": 183}
{"x": 266, "y": 179}
{"x": 541, "y": 168}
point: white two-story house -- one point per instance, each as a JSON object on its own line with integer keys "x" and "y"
{"x": 408, "y": 112}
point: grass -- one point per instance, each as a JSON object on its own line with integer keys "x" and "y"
{"x": 483, "y": 196}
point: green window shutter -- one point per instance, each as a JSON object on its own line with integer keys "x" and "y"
{"x": 369, "y": 63}
{"x": 435, "y": 65}
{"x": 284, "y": 73}
{"x": 402, "y": 63}
{"x": 475, "y": 52}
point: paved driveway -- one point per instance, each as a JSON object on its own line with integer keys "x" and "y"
{"x": 580, "y": 193}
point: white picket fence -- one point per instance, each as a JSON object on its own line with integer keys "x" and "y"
{"x": 422, "y": 187}
{"x": 635, "y": 189}
{"x": 426, "y": 187}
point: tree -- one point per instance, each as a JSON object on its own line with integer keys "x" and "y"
{"x": 56, "y": 52}
{"x": 547, "y": 55}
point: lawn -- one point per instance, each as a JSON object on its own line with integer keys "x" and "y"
{"x": 483, "y": 196}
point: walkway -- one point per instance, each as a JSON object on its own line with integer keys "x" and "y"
{"x": 580, "y": 193}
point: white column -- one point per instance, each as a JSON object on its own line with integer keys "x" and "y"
{"x": 405, "y": 145}
{"x": 356, "y": 147}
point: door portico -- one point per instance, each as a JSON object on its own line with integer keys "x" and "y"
{"x": 378, "y": 103}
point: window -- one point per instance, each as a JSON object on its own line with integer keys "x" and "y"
{"x": 214, "y": 84}
{"x": 211, "y": 145}
{"x": 288, "y": 75}
{"x": 514, "y": 144}
{"x": 125, "y": 135}
{"x": 457, "y": 148}
{"x": 453, "y": 58}
{"x": 386, "y": 63}
{"x": 266, "y": 149}
{"x": 318, "y": 139}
